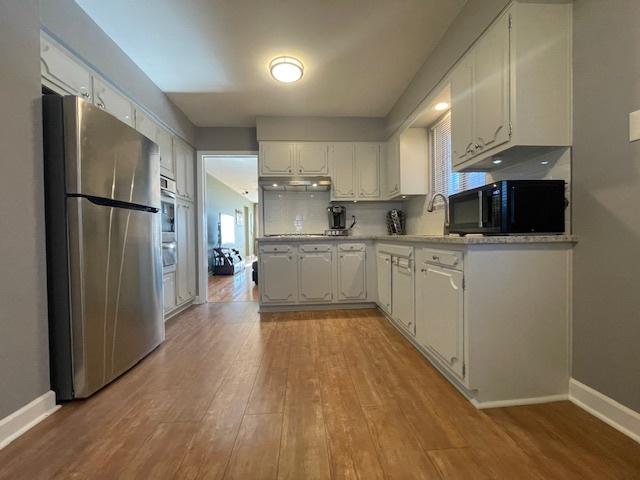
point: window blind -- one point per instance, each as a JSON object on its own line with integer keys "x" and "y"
{"x": 443, "y": 179}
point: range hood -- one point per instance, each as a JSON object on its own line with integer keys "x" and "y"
{"x": 296, "y": 184}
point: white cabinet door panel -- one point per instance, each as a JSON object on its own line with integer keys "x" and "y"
{"x": 368, "y": 169}
{"x": 402, "y": 285}
{"x": 169, "y": 291}
{"x": 311, "y": 159}
{"x": 393, "y": 168}
{"x": 383, "y": 263}
{"x": 491, "y": 87}
{"x": 109, "y": 100}
{"x": 276, "y": 158}
{"x": 441, "y": 329}
{"x": 63, "y": 71}
{"x": 182, "y": 257}
{"x": 343, "y": 172}
{"x": 462, "y": 138}
{"x": 278, "y": 278}
{"x": 184, "y": 158}
{"x": 145, "y": 125}
{"x": 314, "y": 277}
{"x": 352, "y": 276}
{"x": 167, "y": 158}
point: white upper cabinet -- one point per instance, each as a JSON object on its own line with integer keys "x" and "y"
{"x": 314, "y": 276}
{"x": 184, "y": 158}
{"x": 513, "y": 88}
{"x": 311, "y": 158}
{"x": 63, "y": 72}
{"x": 106, "y": 98}
{"x": 343, "y": 171}
{"x": 368, "y": 170}
{"x": 148, "y": 127}
{"x": 276, "y": 158}
{"x": 406, "y": 164}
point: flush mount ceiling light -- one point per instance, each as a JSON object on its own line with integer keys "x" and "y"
{"x": 286, "y": 69}
{"x": 441, "y": 106}
{"x": 497, "y": 161}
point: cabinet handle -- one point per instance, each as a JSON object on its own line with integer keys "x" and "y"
{"x": 85, "y": 94}
{"x": 300, "y": 170}
{"x": 423, "y": 270}
{"x": 100, "y": 105}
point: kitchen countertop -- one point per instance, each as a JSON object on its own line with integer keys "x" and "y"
{"x": 449, "y": 239}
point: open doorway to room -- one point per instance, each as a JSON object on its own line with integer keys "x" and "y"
{"x": 230, "y": 206}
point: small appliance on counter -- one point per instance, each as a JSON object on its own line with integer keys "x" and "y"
{"x": 396, "y": 222}
{"x": 338, "y": 221}
{"x": 510, "y": 207}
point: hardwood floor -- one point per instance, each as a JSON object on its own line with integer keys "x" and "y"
{"x": 334, "y": 394}
{"x": 233, "y": 288}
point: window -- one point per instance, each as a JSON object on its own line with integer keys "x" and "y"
{"x": 227, "y": 229}
{"x": 443, "y": 179}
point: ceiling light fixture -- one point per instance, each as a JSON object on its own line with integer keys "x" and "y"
{"x": 441, "y": 106}
{"x": 275, "y": 184}
{"x": 286, "y": 69}
{"x": 544, "y": 162}
{"x": 497, "y": 161}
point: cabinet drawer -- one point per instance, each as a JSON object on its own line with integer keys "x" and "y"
{"x": 315, "y": 248}
{"x": 443, "y": 257}
{"x": 276, "y": 248}
{"x": 352, "y": 247}
{"x": 396, "y": 250}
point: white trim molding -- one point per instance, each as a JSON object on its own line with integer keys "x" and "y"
{"x": 516, "y": 402}
{"x": 17, "y": 423}
{"x": 606, "y": 409}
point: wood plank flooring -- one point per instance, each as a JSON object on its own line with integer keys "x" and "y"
{"x": 233, "y": 288}
{"x": 337, "y": 394}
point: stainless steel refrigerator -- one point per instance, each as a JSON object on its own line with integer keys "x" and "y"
{"x": 104, "y": 264}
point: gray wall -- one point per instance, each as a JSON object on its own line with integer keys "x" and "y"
{"x": 472, "y": 20}
{"x": 606, "y": 194}
{"x": 68, "y": 23}
{"x": 226, "y": 138}
{"x": 319, "y": 129}
{"x": 222, "y": 199}
{"x": 24, "y": 364}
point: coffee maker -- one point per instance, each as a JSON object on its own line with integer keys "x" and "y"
{"x": 338, "y": 221}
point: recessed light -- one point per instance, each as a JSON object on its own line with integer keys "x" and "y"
{"x": 404, "y": 196}
{"x": 497, "y": 161}
{"x": 544, "y": 162}
{"x": 286, "y": 69}
{"x": 275, "y": 184}
{"x": 441, "y": 106}
{"x": 314, "y": 185}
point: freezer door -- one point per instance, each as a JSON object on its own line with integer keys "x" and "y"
{"x": 106, "y": 158}
{"x": 116, "y": 290}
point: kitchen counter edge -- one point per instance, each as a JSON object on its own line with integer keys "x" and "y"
{"x": 452, "y": 240}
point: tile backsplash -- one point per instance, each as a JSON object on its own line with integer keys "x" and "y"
{"x": 303, "y": 212}
{"x": 550, "y": 165}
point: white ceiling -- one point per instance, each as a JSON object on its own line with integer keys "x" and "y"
{"x": 238, "y": 173}
{"x": 212, "y": 56}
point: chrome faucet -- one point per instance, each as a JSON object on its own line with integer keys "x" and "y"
{"x": 446, "y": 209}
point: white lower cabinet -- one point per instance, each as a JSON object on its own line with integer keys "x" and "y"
{"x": 383, "y": 265}
{"x": 186, "y": 252}
{"x": 352, "y": 272}
{"x": 402, "y": 284}
{"x": 440, "y": 312}
{"x": 169, "y": 291}
{"x": 278, "y": 272}
{"x": 315, "y": 270}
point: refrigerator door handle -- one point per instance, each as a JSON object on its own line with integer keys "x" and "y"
{"x": 109, "y": 202}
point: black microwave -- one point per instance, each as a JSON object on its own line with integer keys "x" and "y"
{"x": 509, "y": 207}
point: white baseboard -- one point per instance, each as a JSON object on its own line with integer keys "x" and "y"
{"x": 606, "y": 409}
{"x": 14, "y": 425}
{"x": 518, "y": 401}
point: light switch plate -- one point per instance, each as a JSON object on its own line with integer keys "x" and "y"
{"x": 634, "y": 126}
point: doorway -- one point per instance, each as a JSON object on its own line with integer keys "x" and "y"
{"x": 228, "y": 200}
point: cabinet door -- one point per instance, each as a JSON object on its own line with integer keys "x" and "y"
{"x": 352, "y": 276}
{"x": 182, "y": 257}
{"x": 368, "y": 169}
{"x": 191, "y": 252}
{"x": 145, "y": 125}
{"x": 183, "y": 155}
{"x": 276, "y": 158}
{"x": 311, "y": 159}
{"x": 314, "y": 277}
{"x": 442, "y": 298}
{"x": 383, "y": 263}
{"x": 491, "y": 87}
{"x": 402, "y": 284}
{"x": 113, "y": 102}
{"x": 462, "y": 139}
{"x": 393, "y": 168}
{"x": 167, "y": 157}
{"x": 278, "y": 278}
{"x": 343, "y": 172}
{"x": 63, "y": 71}
{"x": 169, "y": 291}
